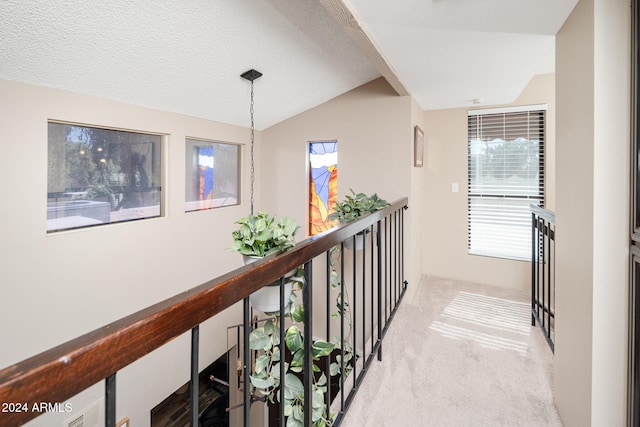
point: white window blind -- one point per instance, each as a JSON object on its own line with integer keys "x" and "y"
{"x": 506, "y": 175}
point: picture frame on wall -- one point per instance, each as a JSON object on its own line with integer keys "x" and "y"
{"x": 418, "y": 147}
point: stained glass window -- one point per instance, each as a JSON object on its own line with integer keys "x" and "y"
{"x": 323, "y": 185}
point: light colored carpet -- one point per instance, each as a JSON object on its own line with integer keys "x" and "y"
{"x": 459, "y": 354}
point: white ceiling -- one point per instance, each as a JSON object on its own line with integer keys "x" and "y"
{"x": 450, "y": 52}
{"x": 187, "y": 56}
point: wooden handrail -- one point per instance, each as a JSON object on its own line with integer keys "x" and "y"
{"x": 57, "y": 374}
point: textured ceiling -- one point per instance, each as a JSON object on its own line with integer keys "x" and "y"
{"x": 186, "y": 56}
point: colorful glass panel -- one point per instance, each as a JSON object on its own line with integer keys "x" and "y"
{"x": 323, "y": 185}
{"x": 205, "y": 166}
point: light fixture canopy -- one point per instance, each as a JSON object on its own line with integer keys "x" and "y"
{"x": 251, "y": 75}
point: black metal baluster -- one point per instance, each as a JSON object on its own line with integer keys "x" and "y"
{"x": 307, "y": 303}
{"x": 395, "y": 260}
{"x": 533, "y": 267}
{"x": 548, "y": 275}
{"x": 371, "y": 276}
{"x": 246, "y": 353}
{"x": 195, "y": 380}
{"x": 110, "y": 401}
{"x": 544, "y": 278}
{"x": 327, "y": 371}
{"x": 379, "y": 238}
{"x": 386, "y": 269}
{"x": 282, "y": 352}
{"x": 342, "y": 376}
{"x": 354, "y": 314}
{"x": 403, "y": 278}
{"x": 364, "y": 299}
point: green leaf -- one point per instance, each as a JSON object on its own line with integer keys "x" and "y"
{"x": 293, "y": 387}
{"x": 293, "y": 338}
{"x": 275, "y": 371}
{"x": 298, "y": 314}
{"x": 334, "y": 369}
{"x": 296, "y": 419}
{"x": 322, "y": 348}
{"x": 317, "y": 399}
{"x": 269, "y": 327}
{"x": 322, "y": 380}
{"x": 335, "y": 279}
{"x": 261, "y": 363}
{"x": 262, "y": 383}
{"x": 258, "y": 340}
{"x": 288, "y": 410}
{"x": 298, "y": 358}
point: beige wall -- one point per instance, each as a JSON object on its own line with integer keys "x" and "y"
{"x": 445, "y": 213}
{"x": 56, "y": 287}
{"x": 592, "y": 70}
{"x": 374, "y": 130}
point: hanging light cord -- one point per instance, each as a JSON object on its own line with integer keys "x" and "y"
{"x": 252, "y": 144}
{"x": 251, "y": 75}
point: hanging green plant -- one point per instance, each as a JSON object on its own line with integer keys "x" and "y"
{"x": 261, "y": 235}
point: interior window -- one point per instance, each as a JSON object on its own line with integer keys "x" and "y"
{"x": 99, "y": 176}
{"x": 212, "y": 175}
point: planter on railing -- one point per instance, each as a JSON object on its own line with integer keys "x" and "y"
{"x": 376, "y": 283}
{"x": 543, "y": 268}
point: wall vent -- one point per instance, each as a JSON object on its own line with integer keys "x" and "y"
{"x": 89, "y": 417}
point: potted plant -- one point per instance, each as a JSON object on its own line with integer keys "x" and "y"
{"x": 354, "y": 206}
{"x": 260, "y": 235}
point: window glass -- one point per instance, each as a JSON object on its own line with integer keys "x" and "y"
{"x": 323, "y": 185}
{"x": 98, "y": 176}
{"x": 212, "y": 175}
{"x": 506, "y": 176}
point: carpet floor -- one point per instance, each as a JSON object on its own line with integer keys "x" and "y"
{"x": 459, "y": 354}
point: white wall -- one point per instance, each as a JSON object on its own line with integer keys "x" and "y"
{"x": 374, "y": 130}
{"x": 56, "y": 287}
{"x": 445, "y": 213}
{"x": 592, "y": 71}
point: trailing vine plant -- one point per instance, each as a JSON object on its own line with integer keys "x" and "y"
{"x": 265, "y": 340}
{"x": 266, "y": 371}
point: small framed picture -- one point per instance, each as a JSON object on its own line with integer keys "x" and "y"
{"x": 418, "y": 147}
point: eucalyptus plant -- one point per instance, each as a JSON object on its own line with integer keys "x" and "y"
{"x": 261, "y": 235}
{"x": 356, "y": 205}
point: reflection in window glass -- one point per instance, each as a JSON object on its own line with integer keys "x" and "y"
{"x": 99, "y": 176}
{"x": 212, "y": 175}
{"x": 323, "y": 185}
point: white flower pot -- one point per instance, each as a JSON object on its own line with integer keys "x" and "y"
{"x": 267, "y": 299}
{"x": 360, "y": 239}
